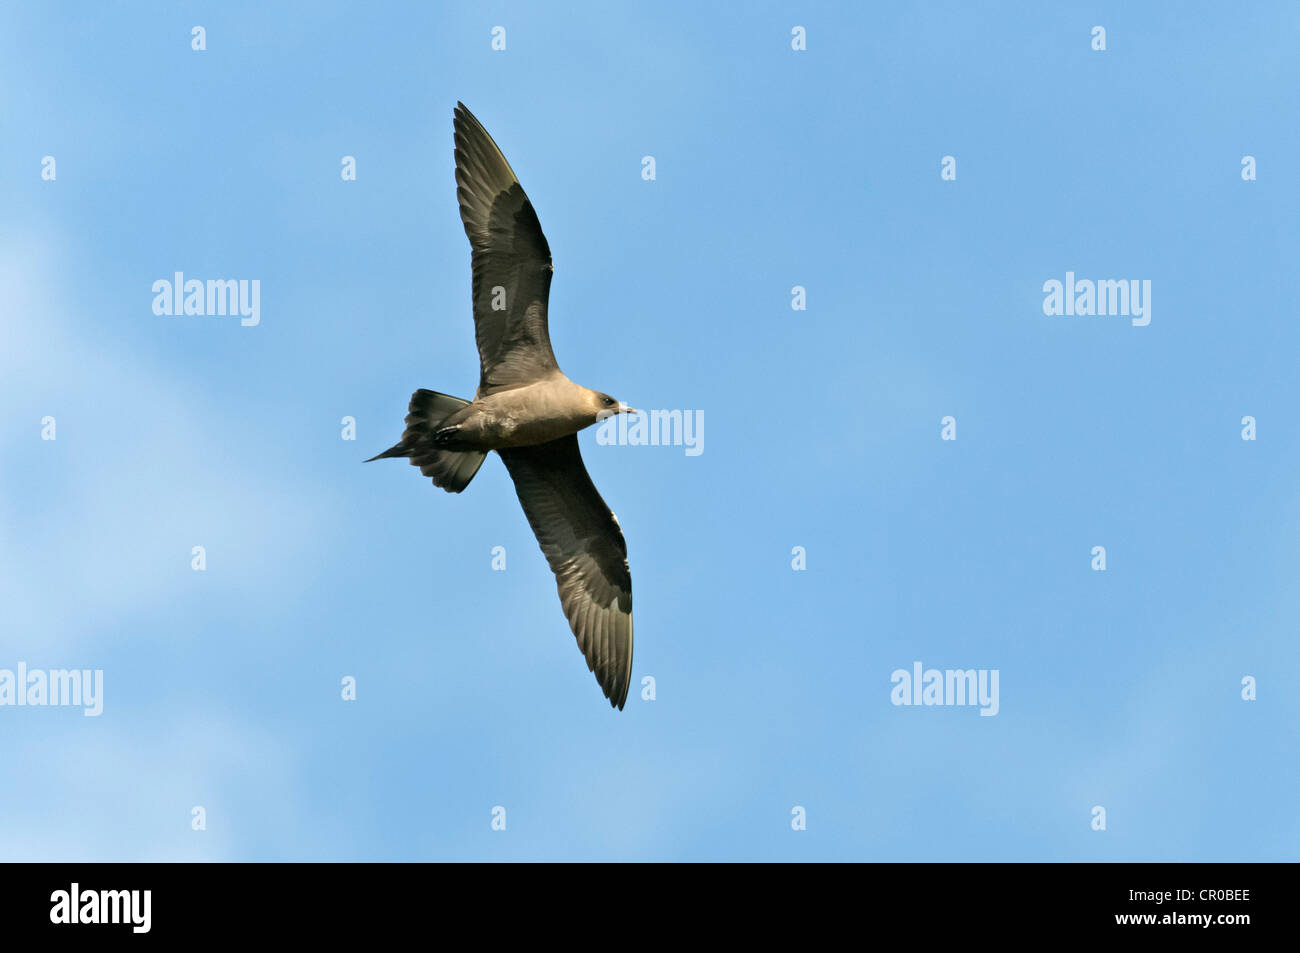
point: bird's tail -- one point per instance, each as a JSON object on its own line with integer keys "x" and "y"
{"x": 450, "y": 469}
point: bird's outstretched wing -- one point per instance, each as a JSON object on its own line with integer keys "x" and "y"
{"x": 585, "y": 548}
{"x": 511, "y": 261}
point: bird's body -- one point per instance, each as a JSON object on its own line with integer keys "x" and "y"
{"x": 527, "y": 411}
{"x": 523, "y": 416}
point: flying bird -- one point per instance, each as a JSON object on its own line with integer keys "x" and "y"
{"x": 528, "y": 411}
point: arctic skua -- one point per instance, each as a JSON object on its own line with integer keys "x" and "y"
{"x": 528, "y": 411}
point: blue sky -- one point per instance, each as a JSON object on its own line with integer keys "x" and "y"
{"x": 774, "y": 168}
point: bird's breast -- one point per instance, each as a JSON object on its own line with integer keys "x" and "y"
{"x": 516, "y": 419}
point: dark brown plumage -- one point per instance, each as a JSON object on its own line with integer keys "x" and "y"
{"x": 528, "y": 411}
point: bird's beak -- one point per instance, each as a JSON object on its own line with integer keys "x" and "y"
{"x": 625, "y": 409}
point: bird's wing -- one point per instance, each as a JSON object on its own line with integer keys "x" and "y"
{"x": 585, "y": 548}
{"x": 511, "y": 261}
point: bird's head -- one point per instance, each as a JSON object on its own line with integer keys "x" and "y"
{"x": 604, "y": 406}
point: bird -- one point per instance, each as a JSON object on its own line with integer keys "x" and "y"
{"x": 527, "y": 411}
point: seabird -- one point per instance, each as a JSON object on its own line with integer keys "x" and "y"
{"x": 527, "y": 411}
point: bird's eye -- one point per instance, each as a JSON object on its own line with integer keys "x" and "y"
{"x": 609, "y": 401}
